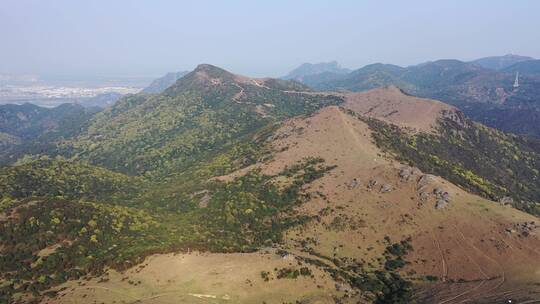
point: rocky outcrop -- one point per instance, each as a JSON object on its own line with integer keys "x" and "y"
{"x": 423, "y": 182}
{"x": 456, "y": 117}
{"x": 523, "y": 229}
{"x": 443, "y": 198}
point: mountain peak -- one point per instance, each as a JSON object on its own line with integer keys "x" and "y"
{"x": 207, "y": 68}
{"x": 307, "y": 69}
{"x": 202, "y": 78}
{"x": 211, "y": 71}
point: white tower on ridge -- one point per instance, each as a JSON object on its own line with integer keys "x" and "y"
{"x": 516, "y": 82}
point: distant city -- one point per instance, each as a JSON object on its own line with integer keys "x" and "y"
{"x": 53, "y": 91}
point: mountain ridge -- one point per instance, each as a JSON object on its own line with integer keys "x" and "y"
{"x": 160, "y": 84}
{"x": 500, "y": 62}
{"x": 346, "y": 196}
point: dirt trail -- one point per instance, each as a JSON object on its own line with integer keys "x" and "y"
{"x": 345, "y": 123}
{"x": 486, "y": 278}
{"x": 443, "y": 260}
{"x": 237, "y": 96}
{"x": 481, "y": 292}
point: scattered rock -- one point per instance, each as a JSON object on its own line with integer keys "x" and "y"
{"x": 455, "y": 116}
{"x": 441, "y": 204}
{"x": 405, "y": 174}
{"x": 437, "y": 191}
{"x": 372, "y": 183}
{"x": 343, "y": 287}
{"x": 354, "y": 183}
{"x": 424, "y": 196}
{"x": 445, "y": 196}
{"x": 205, "y": 200}
{"x": 510, "y": 230}
{"x": 441, "y": 194}
{"x": 506, "y": 201}
{"x": 385, "y": 188}
{"x": 288, "y": 257}
{"x": 524, "y": 229}
{"x": 384, "y": 205}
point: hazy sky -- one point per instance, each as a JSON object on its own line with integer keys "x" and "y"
{"x": 257, "y": 38}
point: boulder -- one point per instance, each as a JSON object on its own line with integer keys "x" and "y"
{"x": 440, "y": 193}
{"x": 445, "y": 196}
{"x": 441, "y": 204}
{"x": 424, "y": 180}
{"x": 405, "y": 174}
{"x": 372, "y": 183}
{"x": 385, "y": 188}
{"x": 424, "y": 196}
{"x": 354, "y": 183}
{"x": 205, "y": 200}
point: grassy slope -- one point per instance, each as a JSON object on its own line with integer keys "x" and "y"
{"x": 481, "y": 160}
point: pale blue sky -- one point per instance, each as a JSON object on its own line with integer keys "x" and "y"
{"x": 257, "y": 38}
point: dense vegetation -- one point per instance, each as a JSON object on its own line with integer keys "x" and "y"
{"x": 62, "y": 178}
{"x": 202, "y": 112}
{"x": 480, "y": 159}
{"x": 47, "y": 240}
{"x": 30, "y": 129}
{"x": 381, "y": 286}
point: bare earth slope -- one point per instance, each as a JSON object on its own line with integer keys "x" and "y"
{"x": 467, "y": 250}
{"x": 390, "y": 104}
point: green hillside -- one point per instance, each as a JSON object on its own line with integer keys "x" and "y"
{"x": 194, "y": 118}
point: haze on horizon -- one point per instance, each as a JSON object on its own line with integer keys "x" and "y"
{"x": 254, "y": 38}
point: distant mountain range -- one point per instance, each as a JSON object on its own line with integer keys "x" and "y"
{"x": 309, "y": 69}
{"x": 531, "y": 67}
{"x": 500, "y": 62}
{"x": 486, "y": 94}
